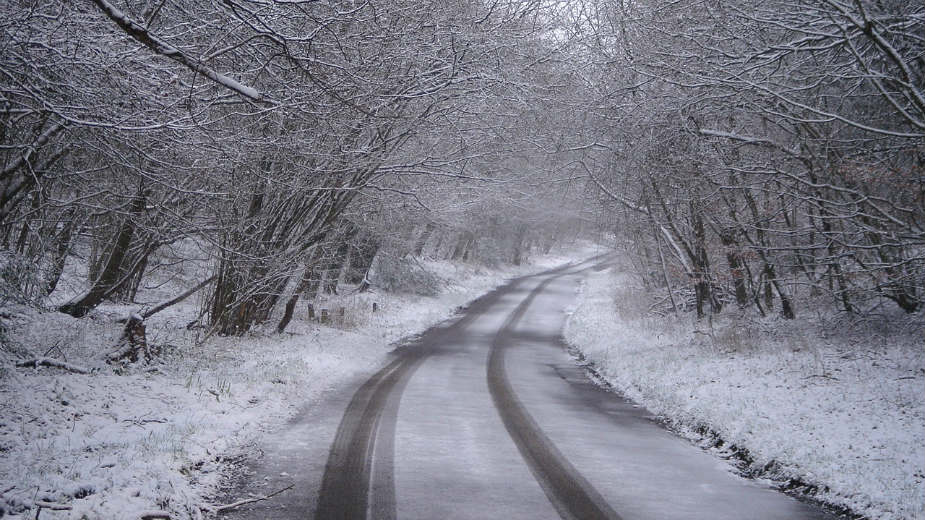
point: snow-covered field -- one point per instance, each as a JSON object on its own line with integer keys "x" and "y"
{"x": 838, "y": 409}
{"x": 154, "y": 439}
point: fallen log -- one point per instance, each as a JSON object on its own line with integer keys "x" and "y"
{"x": 133, "y": 341}
{"x": 53, "y": 363}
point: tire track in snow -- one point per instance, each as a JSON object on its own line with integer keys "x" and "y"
{"x": 346, "y": 477}
{"x": 359, "y": 475}
{"x": 572, "y": 496}
{"x": 358, "y": 481}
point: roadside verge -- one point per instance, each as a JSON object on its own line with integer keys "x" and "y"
{"x": 834, "y": 414}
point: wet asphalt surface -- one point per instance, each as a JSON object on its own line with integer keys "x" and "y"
{"x": 487, "y": 416}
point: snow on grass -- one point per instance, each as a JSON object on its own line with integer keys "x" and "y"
{"x": 117, "y": 443}
{"x": 839, "y": 410}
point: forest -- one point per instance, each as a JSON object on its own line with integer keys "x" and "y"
{"x": 764, "y": 155}
{"x": 214, "y": 213}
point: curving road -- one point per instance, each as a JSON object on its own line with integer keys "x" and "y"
{"x": 488, "y": 417}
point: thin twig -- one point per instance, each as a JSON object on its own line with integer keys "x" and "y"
{"x": 52, "y": 505}
{"x": 226, "y": 507}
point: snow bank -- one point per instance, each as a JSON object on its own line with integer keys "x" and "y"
{"x": 115, "y": 445}
{"x": 839, "y": 412}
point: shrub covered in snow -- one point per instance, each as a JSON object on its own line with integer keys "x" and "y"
{"x": 403, "y": 275}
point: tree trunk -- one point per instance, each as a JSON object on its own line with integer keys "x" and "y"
{"x": 519, "y": 243}
{"x": 60, "y": 259}
{"x": 701, "y": 261}
{"x": 661, "y": 257}
{"x": 787, "y": 310}
{"x": 24, "y": 232}
{"x": 334, "y": 266}
{"x": 287, "y": 313}
{"x": 786, "y": 306}
{"x": 293, "y": 300}
{"x": 734, "y": 259}
{"x": 461, "y": 251}
{"x": 308, "y": 286}
{"x": 109, "y": 278}
{"x": 422, "y": 239}
{"x": 364, "y": 254}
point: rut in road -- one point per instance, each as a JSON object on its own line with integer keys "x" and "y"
{"x": 345, "y": 487}
{"x": 572, "y": 495}
{"x": 349, "y": 475}
{"x": 347, "y": 480}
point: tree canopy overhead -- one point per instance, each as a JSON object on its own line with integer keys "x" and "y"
{"x": 757, "y": 154}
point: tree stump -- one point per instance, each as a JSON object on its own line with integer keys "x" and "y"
{"x": 132, "y": 341}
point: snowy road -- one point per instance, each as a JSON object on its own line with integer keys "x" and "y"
{"x": 488, "y": 417}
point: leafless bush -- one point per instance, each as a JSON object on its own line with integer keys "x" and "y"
{"x": 20, "y": 280}
{"x": 404, "y": 275}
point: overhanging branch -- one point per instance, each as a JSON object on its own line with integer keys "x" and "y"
{"x": 140, "y": 34}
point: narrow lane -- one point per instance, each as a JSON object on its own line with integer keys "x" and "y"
{"x": 358, "y": 475}
{"x": 488, "y": 417}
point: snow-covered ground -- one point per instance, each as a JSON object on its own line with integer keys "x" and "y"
{"x": 154, "y": 439}
{"x": 841, "y": 410}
